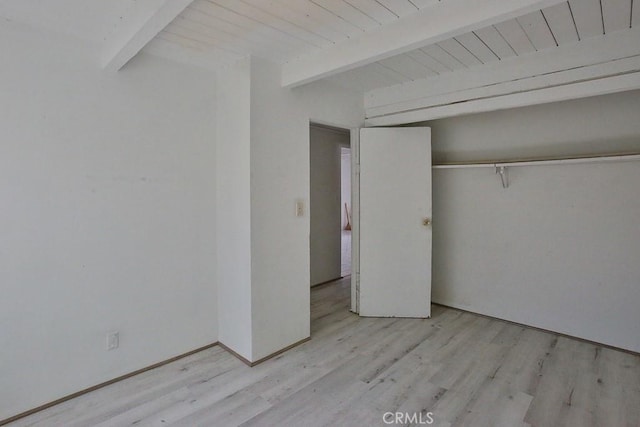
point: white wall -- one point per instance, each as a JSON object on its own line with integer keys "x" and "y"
{"x": 603, "y": 124}
{"x": 280, "y": 175}
{"x": 234, "y": 202}
{"x": 107, "y": 190}
{"x": 325, "y": 203}
{"x": 559, "y": 248}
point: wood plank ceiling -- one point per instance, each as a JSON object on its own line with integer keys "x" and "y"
{"x": 555, "y": 26}
{"x": 281, "y": 30}
{"x": 278, "y": 30}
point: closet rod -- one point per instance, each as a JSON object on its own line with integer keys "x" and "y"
{"x": 542, "y": 162}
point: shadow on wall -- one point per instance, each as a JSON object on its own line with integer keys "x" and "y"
{"x": 550, "y": 150}
{"x": 592, "y": 126}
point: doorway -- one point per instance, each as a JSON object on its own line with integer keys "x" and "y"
{"x": 329, "y": 204}
{"x": 345, "y": 203}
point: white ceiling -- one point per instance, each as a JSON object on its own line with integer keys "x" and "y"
{"x": 282, "y": 30}
{"x": 558, "y": 25}
{"x": 214, "y": 32}
{"x": 278, "y": 30}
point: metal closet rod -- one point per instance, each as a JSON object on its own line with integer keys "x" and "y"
{"x": 543, "y": 162}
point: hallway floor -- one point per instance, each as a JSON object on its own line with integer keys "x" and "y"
{"x": 346, "y": 253}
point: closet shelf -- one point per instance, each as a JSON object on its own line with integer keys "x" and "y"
{"x": 542, "y": 162}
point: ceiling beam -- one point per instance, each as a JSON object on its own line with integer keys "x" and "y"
{"x": 555, "y": 79}
{"x": 430, "y": 25}
{"x": 583, "y": 89}
{"x": 127, "y": 42}
{"x": 456, "y": 86}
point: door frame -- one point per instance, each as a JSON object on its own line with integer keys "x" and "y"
{"x": 355, "y": 220}
{"x": 354, "y": 143}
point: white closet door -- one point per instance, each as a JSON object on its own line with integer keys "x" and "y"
{"x": 395, "y": 222}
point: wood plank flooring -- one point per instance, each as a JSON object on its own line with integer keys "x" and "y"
{"x": 466, "y": 370}
{"x": 345, "y": 253}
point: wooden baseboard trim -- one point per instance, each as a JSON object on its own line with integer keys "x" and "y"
{"x": 264, "y": 359}
{"x": 279, "y": 352}
{"x": 104, "y": 384}
{"x": 549, "y": 331}
{"x": 236, "y": 355}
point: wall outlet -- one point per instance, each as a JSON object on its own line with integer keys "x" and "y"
{"x": 113, "y": 340}
{"x": 299, "y": 208}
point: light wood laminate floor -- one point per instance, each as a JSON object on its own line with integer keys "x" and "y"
{"x": 466, "y": 369}
{"x": 345, "y": 253}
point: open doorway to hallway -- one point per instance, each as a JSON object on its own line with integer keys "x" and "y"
{"x": 329, "y": 204}
{"x": 345, "y": 196}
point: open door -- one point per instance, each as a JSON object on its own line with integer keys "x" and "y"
{"x": 395, "y": 222}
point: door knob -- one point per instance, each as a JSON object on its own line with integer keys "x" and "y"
{"x": 426, "y": 222}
